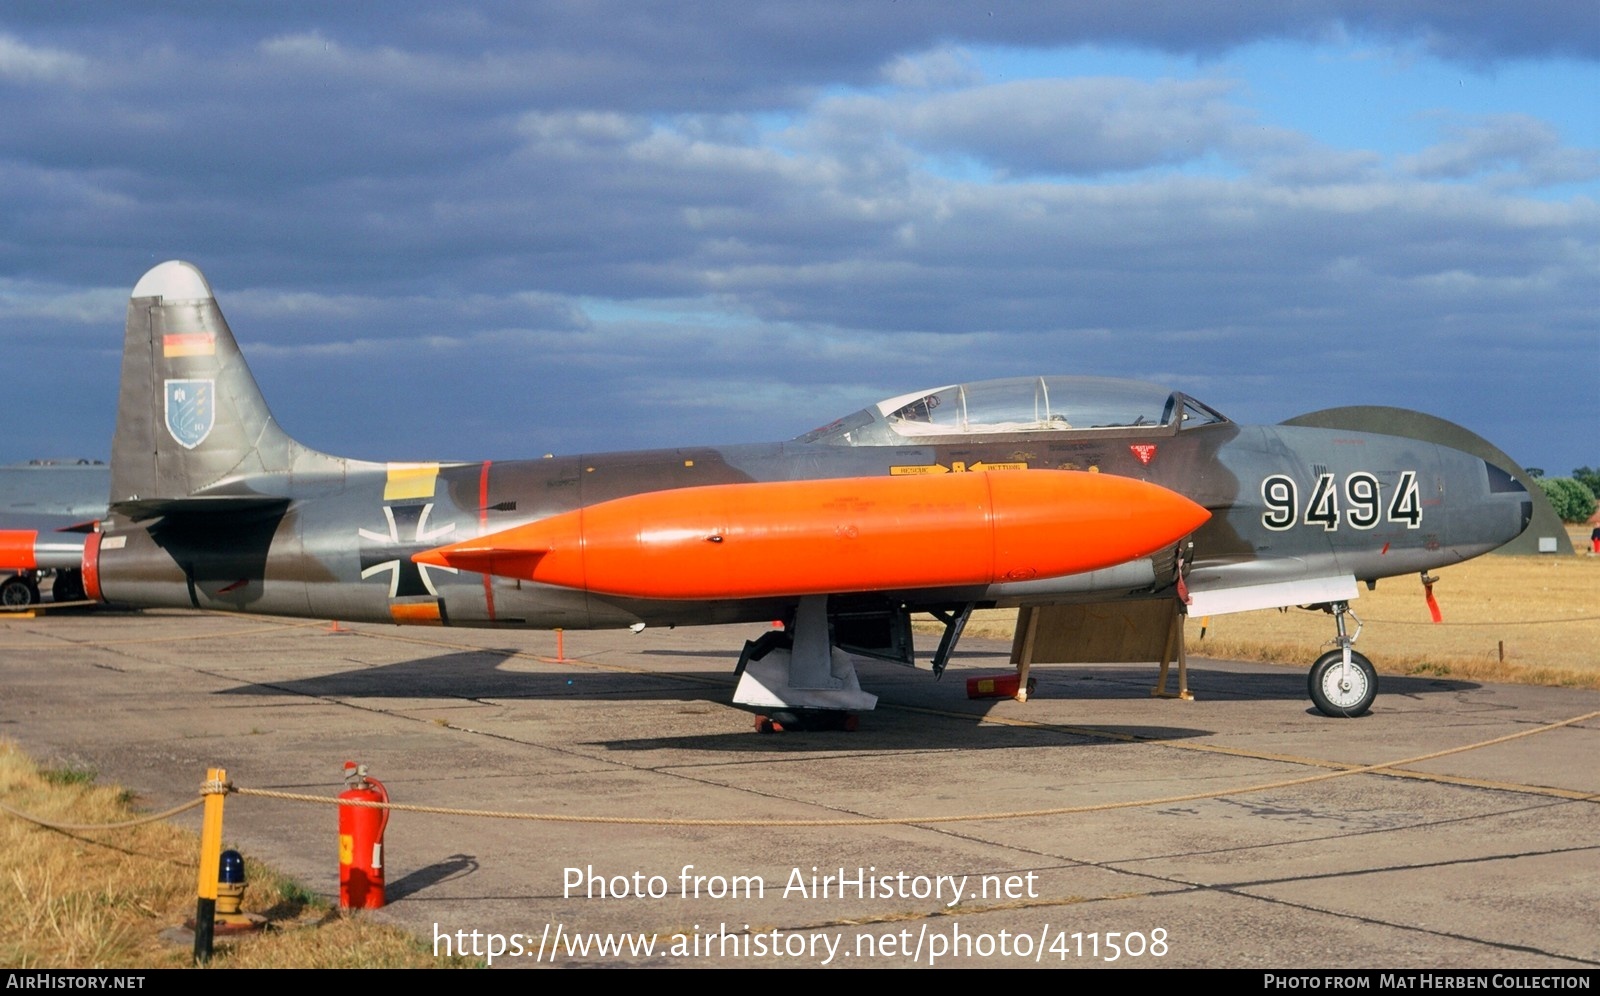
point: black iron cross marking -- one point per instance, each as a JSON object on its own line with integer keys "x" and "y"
{"x": 393, "y": 554}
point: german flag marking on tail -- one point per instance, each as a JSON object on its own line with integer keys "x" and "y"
{"x": 188, "y": 344}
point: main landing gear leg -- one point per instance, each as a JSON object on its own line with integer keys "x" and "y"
{"x": 1343, "y": 683}
{"x": 955, "y": 621}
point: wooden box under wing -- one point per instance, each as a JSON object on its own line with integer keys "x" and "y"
{"x": 1094, "y": 632}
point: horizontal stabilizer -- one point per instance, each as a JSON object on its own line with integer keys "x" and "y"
{"x": 140, "y": 509}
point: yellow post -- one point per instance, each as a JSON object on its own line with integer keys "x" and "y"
{"x": 205, "y": 911}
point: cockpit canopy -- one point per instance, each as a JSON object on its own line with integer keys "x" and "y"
{"x": 1018, "y": 405}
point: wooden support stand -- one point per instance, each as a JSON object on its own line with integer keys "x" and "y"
{"x": 1173, "y": 648}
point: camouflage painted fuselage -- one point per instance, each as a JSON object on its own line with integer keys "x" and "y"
{"x": 335, "y": 539}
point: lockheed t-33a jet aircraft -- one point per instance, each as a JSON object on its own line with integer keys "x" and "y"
{"x": 1067, "y": 497}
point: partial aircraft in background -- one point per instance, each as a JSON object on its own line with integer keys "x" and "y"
{"x": 1068, "y": 497}
{"x": 48, "y": 508}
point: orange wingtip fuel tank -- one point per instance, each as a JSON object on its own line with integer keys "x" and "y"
{"x": 845, "y": 534}
{"x": 28, "y": 550}
{"x": 16, "y": 549}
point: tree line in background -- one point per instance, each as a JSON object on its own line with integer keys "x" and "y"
{"x": 1573, "y": 497}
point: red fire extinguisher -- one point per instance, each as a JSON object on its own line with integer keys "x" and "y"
{"x": 361, "y": 840}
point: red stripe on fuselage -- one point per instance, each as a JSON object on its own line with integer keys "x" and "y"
{"x": 483, "y": 529}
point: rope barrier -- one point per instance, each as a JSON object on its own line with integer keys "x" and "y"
{"x": 910, "y": 820}
{"x": 90, "y": 827}
{"x": 1480, "y": 622}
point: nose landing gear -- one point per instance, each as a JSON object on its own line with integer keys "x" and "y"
{"x": 1342, "y": 682}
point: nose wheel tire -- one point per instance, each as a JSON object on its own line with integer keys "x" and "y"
{"x": 1342, "y": 692}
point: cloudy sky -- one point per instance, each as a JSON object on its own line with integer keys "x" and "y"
{"x": 503, "y": 229}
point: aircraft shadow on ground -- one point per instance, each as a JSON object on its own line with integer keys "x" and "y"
{"x": 889, "y": 730}
{"x": 733, "y": 655}
{"x": 1215, "y": 682}
{"x": 915, "y": 712}
{"x": 478, "y": 674}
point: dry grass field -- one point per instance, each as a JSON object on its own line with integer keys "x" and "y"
{"x": 1519, "y": 619}
{"x": 103, "y": 899}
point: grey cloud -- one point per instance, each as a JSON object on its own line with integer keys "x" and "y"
{"x": 727, "y": 55}
{"x": 288, "y": 320}
{"x": 402, "y": 218}
{"x": 1525, "y": 150}
{"x": 1067, "y": 126}
{"x": 941, "y": 67}
{"x": 24, "y": 63}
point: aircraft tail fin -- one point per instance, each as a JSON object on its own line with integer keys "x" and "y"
{"x": 190, "y": 418}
